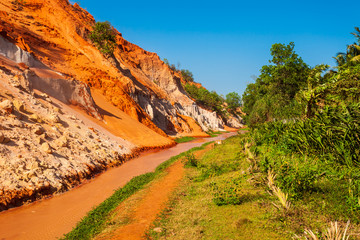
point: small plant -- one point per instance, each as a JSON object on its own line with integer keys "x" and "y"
{"x": 103, "y": 37}
{"x": 191, "y": 161}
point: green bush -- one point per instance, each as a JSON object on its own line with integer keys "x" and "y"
{"x": 103, "y": 37}
{"x": 191, "y": 161}
{"x": 228, "y": 191}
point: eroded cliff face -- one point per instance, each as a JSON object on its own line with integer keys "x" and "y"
{"x": 53, "y": 132}
{"x": 134, "y": 80}
{"x": 44, "y": 147}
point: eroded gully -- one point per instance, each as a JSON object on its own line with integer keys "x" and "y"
{"x": 52, "y": 218}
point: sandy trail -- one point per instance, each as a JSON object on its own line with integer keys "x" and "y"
{"x": 147, "y": 210}
{"x": 51, "y": 218}
{"x": 151, "y": 204}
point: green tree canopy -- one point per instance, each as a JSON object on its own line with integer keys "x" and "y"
{"x": 273, "y": 93}
{"x": 352, "y": 54}
{"x": 187, "y": 75}
{"x": 233, "y": 101}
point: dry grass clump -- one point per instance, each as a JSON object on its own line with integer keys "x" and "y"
{"x": 334, "y": 232}
{"x": 283, "y": 197}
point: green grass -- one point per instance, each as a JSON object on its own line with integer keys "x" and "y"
{"x": 225, "y": 196}
{"x": 219, "y": 200}
{"x": 94, "y": 222}
{"x": 184, "y": 139}
{"x": 215, "y": 134}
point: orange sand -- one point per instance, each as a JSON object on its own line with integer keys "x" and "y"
{"x": 126, "y": 127}
{"x": 196, "y": 130}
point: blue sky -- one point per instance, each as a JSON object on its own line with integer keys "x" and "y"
{"x": 226, "y": 42}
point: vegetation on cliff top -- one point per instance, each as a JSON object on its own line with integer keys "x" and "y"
{"x": 210, "y": 100}
{"x": 103, "y": 37}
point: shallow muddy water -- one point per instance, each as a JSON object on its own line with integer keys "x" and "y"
{"x": 52, "y": 218}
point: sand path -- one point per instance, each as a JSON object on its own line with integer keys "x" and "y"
{"x": 151, "y": 204}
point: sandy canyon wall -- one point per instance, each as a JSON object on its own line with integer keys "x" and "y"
{"x": 44, "y": 147}
{"x": 134, "y": 80}
{"x": 48, "y": 71}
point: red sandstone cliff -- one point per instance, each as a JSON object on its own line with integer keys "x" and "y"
{"x": 136, "y": 81}
{"x": 67, "y": 112}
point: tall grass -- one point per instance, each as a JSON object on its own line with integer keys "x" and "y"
{"x": 334, "y": 133}
{"x": 315, "y": 158}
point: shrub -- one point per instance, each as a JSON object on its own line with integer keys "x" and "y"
{"x": 191, "y": 161}
{"x": 103, "y": 37}
{"x": 228, "y": 192}
{"x": 187, "y": 75}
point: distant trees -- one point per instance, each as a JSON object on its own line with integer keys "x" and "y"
{"x": 288, "y": 89}
{"x": 103, "y": 37}
{"x": 205, "y": 98}
{"x": 185, "y": 73}
{"x": 171, "y": 66}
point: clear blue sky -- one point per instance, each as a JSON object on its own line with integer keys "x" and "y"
{"x": 226, "y": 42}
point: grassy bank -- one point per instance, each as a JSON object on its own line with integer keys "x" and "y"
{"x": 215, "y": 134}
{"x": 94, "y": 222}
{"x": 184, "y": 139}
{"x": 220, "y": 199}
{"x": 230, "y": 194}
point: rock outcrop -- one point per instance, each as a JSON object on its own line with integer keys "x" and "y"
{"x": 44, "y": 149}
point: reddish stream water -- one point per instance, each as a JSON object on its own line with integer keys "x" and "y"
{"x": 52, "y": 218}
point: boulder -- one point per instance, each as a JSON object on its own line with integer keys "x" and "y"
{"x": 62, "y": 142}
{"x": 35, "y": 118}
{"x": 53, "y": 118}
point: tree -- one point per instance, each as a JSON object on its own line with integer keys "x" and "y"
{"x": 352, "y": 55}
{"x": 287, "y": 73}
{"x": 103, "y": 37}
{"x": 272, "y": 96}
{"x": 187, "y": 75}
{"x": 233, "y": 101}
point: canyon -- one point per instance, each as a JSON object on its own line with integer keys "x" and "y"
{"x": 68, "y": 112}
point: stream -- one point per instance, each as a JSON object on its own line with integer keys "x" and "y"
{"x": 53, "y": 217}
